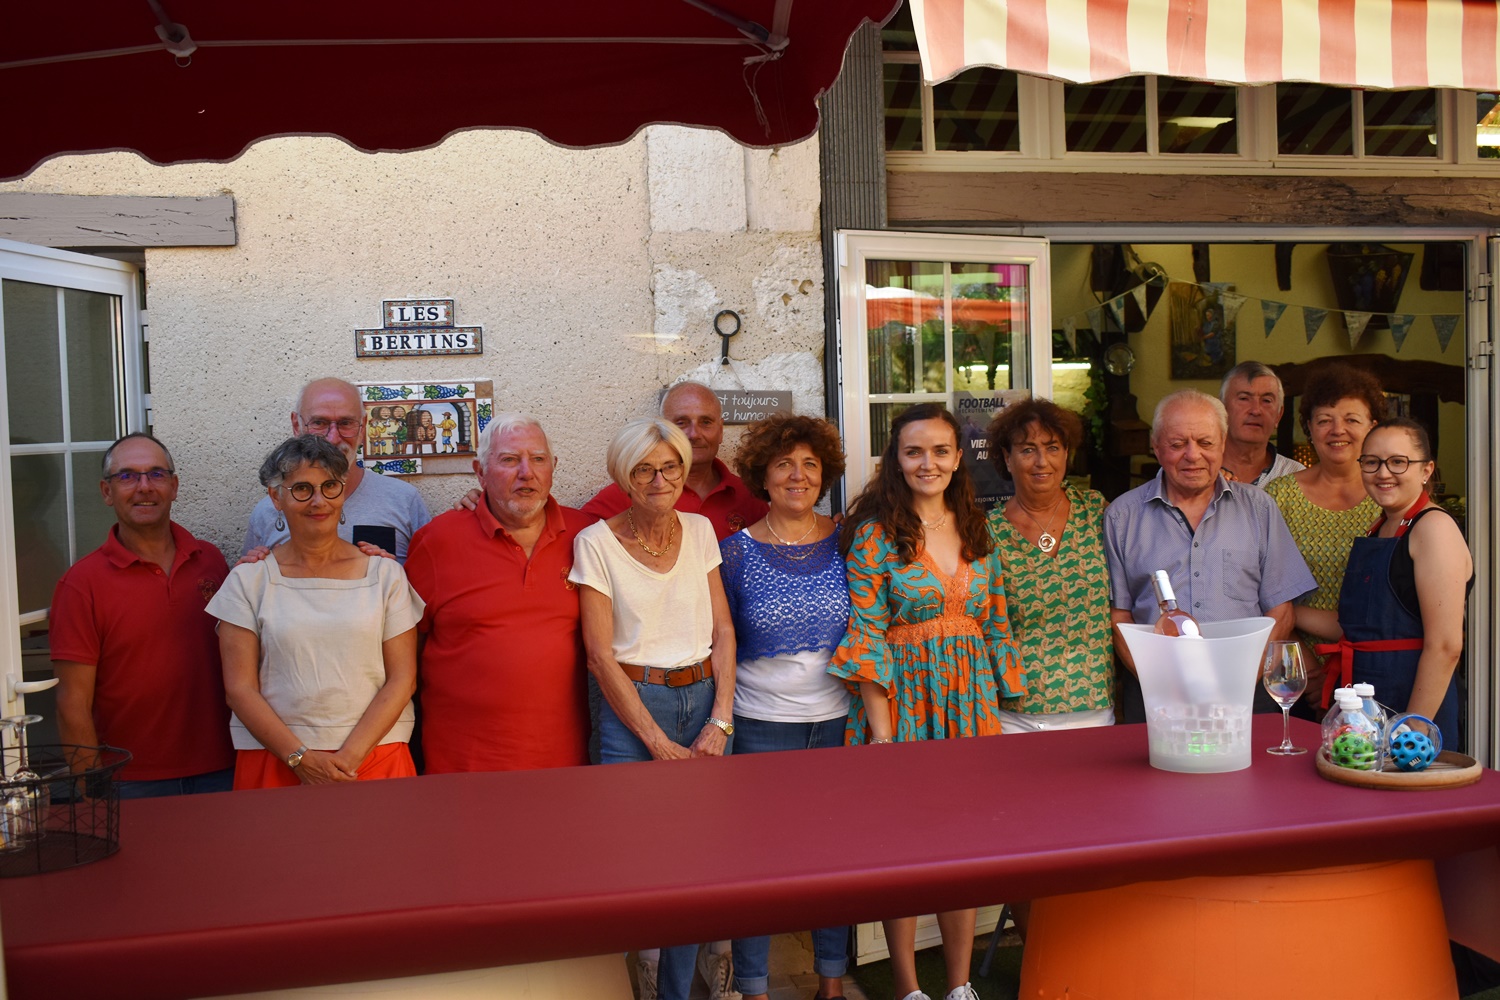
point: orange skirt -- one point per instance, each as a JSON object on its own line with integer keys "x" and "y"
{"x": 263, "y": 769}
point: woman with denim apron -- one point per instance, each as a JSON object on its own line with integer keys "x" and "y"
{"x": 1400, "y": 623}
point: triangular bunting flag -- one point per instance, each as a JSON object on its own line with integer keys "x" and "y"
{"x": 1355, "y": 323}
{"x": 1117, "y": 310}
{"x": 1444, "y": 325}
{"x": 1139, "y": 291}
{"x": 1096, "y": 321}
{"x": 1312, "y": 321}
{"x": 1232, "y": 302}
{"x": 1271, "y": 313}
{"x": 1400, "y": 326}
{"x": 1070, "y": 330}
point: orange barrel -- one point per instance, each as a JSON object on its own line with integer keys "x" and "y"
{"x": 1366, "y": 931}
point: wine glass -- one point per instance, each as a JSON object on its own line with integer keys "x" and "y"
{"x": 24, "y": 799}
{"x": 1285, "y": 678}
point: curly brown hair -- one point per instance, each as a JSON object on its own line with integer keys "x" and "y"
{"x": 1335, "y": 382}
{"x": 1011, "y": 424}
{"x": 775, "y": 436}
{"x": 886, "y": 499}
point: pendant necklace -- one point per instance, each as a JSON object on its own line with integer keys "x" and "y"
{"x": 1047, "y": 541}
{"x": 671, "y": 534}
{"x": 799, "y": 541}
{"x": 940, "y": 522}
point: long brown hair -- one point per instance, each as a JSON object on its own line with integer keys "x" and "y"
{"x": 886, "y": 499}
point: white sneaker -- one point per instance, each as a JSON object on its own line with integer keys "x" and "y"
{"x": 964, "y": 992}
{"x": 645, "y": 975}
{"x": 718, "y": 972}
{"x": 916, "y": 995}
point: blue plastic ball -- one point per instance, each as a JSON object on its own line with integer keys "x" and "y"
{"x": 1412, "y": 751}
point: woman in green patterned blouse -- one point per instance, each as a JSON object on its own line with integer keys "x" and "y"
{"x": 1326, "y": 506}
{"x": 1050, "y": 539}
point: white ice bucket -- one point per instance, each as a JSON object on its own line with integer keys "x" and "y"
{"x": 1198, "y": 692}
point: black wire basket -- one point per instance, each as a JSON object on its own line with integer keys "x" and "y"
{"x": 53, "y": 817}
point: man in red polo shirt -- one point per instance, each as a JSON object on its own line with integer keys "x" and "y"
{"x": 136, "y": 655}
{"x": 502, "y": 676}
{"x": 711, "y": 490}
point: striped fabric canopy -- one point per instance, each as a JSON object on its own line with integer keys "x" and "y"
{"x": 1346, "y": 43}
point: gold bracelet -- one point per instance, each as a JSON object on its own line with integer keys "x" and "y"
{"x": 888, "y": 739}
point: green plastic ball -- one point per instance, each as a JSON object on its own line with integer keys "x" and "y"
{"x": 1353, "y": 750}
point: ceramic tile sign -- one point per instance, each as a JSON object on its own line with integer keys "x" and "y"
{"x": 423, "y": 428}
{"x": 417, "y": 328}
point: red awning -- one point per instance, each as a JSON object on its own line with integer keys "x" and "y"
{"x": 92, "y": 75}
{"x": 1346, "y": 43}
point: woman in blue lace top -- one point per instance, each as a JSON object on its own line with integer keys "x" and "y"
{"x": 789, "y": 598}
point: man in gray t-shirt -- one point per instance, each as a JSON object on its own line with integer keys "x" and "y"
{"x": 378, "y": 508}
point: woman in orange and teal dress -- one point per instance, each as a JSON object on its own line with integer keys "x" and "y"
{"x": 929, "y": 649}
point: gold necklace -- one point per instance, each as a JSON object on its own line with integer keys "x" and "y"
{"x": 1047, "y": 541}
{"x": 671, "y": 533}
{"x": 783, "y": 541}
{"x": 934, "y": 527}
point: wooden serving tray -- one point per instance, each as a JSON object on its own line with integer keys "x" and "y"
{"x": 1450, "y": 770}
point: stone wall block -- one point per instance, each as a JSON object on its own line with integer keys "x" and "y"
{"x": 696, "y": 179}
{"x": 781, "y": 188}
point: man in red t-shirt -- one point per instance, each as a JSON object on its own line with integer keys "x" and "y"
{"x": 135, "y": 654}
{"x": 711, "y": 490}
{"x": 503, "y": 682}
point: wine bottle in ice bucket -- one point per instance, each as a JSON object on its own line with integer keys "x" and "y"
{"x": 1173, "y": 620}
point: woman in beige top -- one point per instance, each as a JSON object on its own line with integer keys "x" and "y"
{"x": 318, "y": 640}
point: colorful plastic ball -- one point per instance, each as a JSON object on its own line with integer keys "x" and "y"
{"x": 1412, "y": 751}
{"x": 1354, "y": 751}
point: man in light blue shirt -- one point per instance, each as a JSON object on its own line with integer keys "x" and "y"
{"x": 379, "y": 509}
{"x": 1224, "y": 544}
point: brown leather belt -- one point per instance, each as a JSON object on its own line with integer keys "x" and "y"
{"x": 674, "y": 678}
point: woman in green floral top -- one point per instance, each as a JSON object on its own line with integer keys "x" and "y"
{"x": 1326, "y": 506}
{"x": 1050, "y": 539}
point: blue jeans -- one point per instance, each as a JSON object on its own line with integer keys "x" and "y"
{"x": 681, "y": 713}
{"x": 193, "y": 784}
{"x": 752, "y": 956}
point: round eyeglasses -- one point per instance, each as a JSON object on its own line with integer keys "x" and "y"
{"x": 1397, "y": 464}
{"x": 643, "y": 474}
{"x": 331, "y": 489}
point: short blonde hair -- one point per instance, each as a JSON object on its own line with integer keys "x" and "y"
{"x": 635, "y": 441}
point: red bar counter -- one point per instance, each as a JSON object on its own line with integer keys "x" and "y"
{"x": 272, "y": 889}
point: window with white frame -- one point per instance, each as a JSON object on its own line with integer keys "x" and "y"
{"x": 1000, "y": 116}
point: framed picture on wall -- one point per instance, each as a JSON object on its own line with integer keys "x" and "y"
{"x": 1203, "y": 330}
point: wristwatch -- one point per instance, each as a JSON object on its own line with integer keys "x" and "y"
{"x": 295, "y": 757}
{"x": 728, "y": 727}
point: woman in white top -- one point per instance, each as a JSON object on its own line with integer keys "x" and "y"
{"x": 318, "y": 640}
{"x": 656, "y": 624}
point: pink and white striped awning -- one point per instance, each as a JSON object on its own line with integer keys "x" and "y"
{"x": 1347, "y": 43}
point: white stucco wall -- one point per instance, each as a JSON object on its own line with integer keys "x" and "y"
{"x": 596, "y": 275}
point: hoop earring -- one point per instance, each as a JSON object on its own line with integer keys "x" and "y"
{"x": 341, "y": 518}
{"x": 280, "y": 522}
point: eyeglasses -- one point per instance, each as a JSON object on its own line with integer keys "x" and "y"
{"x": 320, "y": 425}
{"x": 644, "y": 475}
{"x": 331, "y": 489}
{"x": 1397, "y": 464}
{"x": 129, "y": 477}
